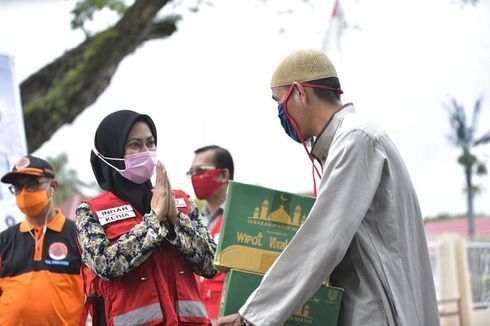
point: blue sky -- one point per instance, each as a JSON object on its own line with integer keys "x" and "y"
{"x": 209, "y": 83}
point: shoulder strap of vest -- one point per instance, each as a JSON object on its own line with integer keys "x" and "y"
{"x": 217, "y": 226}
{"x": 90, "y": 281}
{"x": 106, "y": 198}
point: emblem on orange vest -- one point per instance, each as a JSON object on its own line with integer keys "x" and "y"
{"x": 58, "y": 251}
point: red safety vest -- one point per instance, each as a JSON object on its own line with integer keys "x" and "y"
{"x": 211, "y": 288}
{"x": 161, "y": 291}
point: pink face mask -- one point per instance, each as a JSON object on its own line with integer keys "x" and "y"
{"x": 139, "y": 167}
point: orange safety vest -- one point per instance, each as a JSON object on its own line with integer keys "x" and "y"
{"x": 161, "y": 291}
{"x": 211, "y": 288}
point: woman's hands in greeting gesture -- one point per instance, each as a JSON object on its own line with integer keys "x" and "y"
{"x": 163, "y": 201}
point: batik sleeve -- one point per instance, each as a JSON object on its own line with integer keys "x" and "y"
{"x": 195, "y": 243}
{"x": 113, "y": 260}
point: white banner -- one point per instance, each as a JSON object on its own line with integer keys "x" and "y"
{"x": 12, "y": 138}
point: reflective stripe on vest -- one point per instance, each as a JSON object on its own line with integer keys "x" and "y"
{"x": 188, "y": 308}
{"x": 139, "y": 316}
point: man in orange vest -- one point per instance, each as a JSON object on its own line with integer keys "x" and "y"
{"x": 211, "y": 169}
{"x": 40, "y": 266}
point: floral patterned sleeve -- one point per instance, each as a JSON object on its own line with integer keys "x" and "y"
{"x": 113, "y": 260}
{"x": 195, "y": 243}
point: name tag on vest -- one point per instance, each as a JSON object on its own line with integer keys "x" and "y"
{"x": 180, "y": 202}
{"x": 115, "y": 214}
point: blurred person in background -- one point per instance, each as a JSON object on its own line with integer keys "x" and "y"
{"x": 211, "y": 170}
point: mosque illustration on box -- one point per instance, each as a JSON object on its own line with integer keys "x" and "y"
{"x": 280, "y": 215}
{"x": 303, "y": 311}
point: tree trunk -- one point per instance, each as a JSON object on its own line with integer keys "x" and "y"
{"x": 469, "y": 199}
{"x": 59, "y": 92}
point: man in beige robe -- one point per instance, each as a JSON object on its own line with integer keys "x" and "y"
{"x": 365, "y": 229}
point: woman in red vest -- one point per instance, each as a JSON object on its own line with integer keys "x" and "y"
{"x": 142, "y": 242}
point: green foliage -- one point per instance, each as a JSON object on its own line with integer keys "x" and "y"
{"x": 481, "y": 169}
{"x": 467, "y": 159}
{"x": 464, "y": 137}
{"x": 201, "y": 204}
{"x": 73, "y": 80}
{"x": 441, "y": 217}
{"x": 69, "y": 183}
{"x": 85, "y": 9}
{"x": 475, "y": 189}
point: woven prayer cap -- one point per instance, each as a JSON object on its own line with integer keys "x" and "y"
{"x": 302, "y": 66}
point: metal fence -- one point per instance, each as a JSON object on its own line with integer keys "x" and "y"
{"x": 479, "y": 268}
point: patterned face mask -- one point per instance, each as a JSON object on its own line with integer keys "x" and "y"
{"x": 286, "y": 124}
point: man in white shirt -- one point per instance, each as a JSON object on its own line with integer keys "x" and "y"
{"x": 365, "y": 229}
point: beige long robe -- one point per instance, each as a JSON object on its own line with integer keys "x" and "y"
{"x": 365, "y": 231}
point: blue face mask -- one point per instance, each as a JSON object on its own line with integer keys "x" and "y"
{"x": 286, "y": 124}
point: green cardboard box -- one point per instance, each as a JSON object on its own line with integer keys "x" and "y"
{"x": 258, "y": 223}
{"x": 322, "y": 309}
